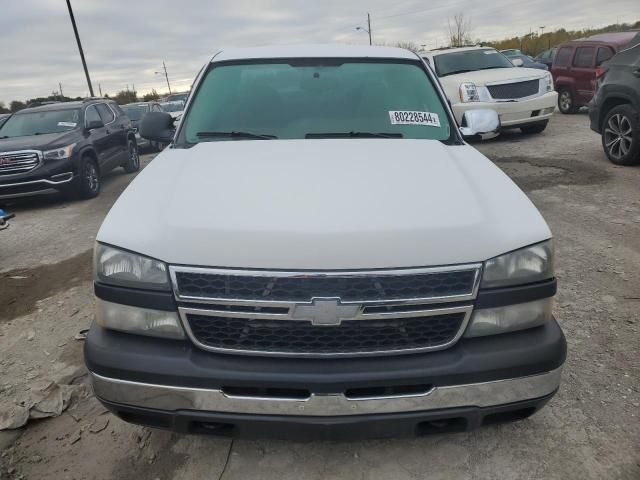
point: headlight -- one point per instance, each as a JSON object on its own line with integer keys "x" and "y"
{"x": 141, "y": 321}
{"x": 125, "y": 269}
{"x": 527, "y": 265}
{"x": 492, "y": 321}
{"x": 547, "y": 83}
{"x": 469, "y": 93}
{"x": 59, "y": 153}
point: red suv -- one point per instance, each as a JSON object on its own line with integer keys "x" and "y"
{"x": 576, "y": 67}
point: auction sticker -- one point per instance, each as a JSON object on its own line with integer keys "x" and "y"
{"x": 67, "y": 124}
{"x": 414, "y": 118}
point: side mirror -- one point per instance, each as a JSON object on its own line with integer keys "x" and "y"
{"x": 157, "y": 127}
{"x": 480, "y": 123}
{"x": 94, "y": 124}
{"x": 517, "y": 62}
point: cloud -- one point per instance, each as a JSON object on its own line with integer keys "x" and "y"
{"x": 125, "y": 42}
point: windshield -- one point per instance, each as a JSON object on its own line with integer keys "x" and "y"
{"x": 39, "y": 123}
{"x": 172, "y": 106}
{"x": 469, "y": 61}
{"x": 135, "y": 112}
{"x": 316, "y": 99}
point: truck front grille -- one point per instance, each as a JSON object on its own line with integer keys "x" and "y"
{"x": 511, "y": 91}
{"x": 18, "y": 162}
{"x": 302, "y": 287}
{"x": 325, "y": 313}
{"x": 350, "y": 337}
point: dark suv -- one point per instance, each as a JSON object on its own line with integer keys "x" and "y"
{"x": 577, "y": 63}
{"x": 615, "y": 108}
{"x": 65, "y": 147}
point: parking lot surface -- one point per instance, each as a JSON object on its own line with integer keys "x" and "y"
{"x": 590, "y": 430}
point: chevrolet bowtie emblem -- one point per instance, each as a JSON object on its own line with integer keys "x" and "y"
{"x": 325, "y": 311}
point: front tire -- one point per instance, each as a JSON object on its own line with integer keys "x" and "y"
{"x": 621, "y": 135}
{"x": 536, "y": 128}
{"x": 88, "y": 182}
{"x": 566, "y": 102}
{"x": 133, "y": 158}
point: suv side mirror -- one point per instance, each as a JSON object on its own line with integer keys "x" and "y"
{"x": 517, "y": 62}
{"x": 480, "y": 123}
{"x": 157, "y": 127}
{"x": 94, "y": 124}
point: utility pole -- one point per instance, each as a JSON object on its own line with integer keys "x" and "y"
{"x": 369, "y": 24}
{"x": 60, "y": 85}
{"x": 166, "y": 76}
{"x": 75, "y": 31}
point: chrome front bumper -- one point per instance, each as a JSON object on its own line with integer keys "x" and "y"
{"x": 513, "y": 113}
{"x": 170, "y": 398}
{"x": 36, "y": 187}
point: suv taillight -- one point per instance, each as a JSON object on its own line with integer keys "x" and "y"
{"x": 600, "y": 72}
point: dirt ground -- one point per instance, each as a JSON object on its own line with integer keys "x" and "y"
{"x": 590, "y": 430}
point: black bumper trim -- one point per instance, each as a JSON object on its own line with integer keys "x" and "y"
{"x": 342, "y": 428}
{"x": 178, "y": 363}
{"x": 135, "y": 298}
{"x": 501, "y": 297}
{"x": 486, "y": 298}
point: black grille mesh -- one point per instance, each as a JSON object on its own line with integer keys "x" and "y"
{"x": 303, "y": 289}
{"x": 514, "y": 90}
{"x": 297, "y": 337}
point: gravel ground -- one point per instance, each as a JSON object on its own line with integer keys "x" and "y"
{"x": 590, "y": 430}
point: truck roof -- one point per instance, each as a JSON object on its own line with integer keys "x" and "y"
{"x": 313, "y": 51}
{"x": 440, "y": 51}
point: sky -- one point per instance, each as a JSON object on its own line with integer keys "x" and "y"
{"x": 125, "y": 42}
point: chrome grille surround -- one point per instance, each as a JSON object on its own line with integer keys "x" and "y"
{"x": 20, "y": 161}
{"x": 253, "y": 309}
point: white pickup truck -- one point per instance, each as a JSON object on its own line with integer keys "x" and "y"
{"x": 320, "y": 254}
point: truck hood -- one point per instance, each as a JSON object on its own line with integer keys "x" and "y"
{"x": 322, "y": 204}
{"x": 38, "y": 142}
{"x": 482, "y": 77}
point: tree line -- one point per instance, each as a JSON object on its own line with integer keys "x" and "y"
{"x": 532, "y": 43}
{"x": 122, "y": 97}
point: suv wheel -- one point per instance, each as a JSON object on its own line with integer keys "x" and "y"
{"x": 566, "y": 103}
{"x": 537, "y": 128}
{"x": 88, "y": 185}
{"x": 621, "y": 135}
{"x": 133, "y": 159}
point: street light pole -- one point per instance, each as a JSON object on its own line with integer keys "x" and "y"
{"x": 166, "y": 76}
{"x": 84, "y": 62}
{"x": 368, "y": 30}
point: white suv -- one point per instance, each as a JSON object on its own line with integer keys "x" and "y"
{"x": 478, "y": 77}
{"x": 319, "y": 253}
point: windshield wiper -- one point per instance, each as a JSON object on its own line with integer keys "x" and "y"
{"x": 353, "y": 135}
{"x": 246, "y": 135}
{"x": 495, "y": 66}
